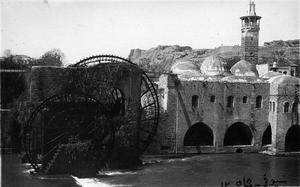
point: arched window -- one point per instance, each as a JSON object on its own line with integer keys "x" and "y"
{"x": 286, "y": 107}
{"x": 273, "y": 106}
{"x": 245, "y": 99}
{"x": 229, "y": 101}
{"x": 292, "y": 73}
{"x": 212, "y": 99}
{"x": 195, "y": 99}
{"x": 295, "y": 107}
{"x": 258, "y": 101}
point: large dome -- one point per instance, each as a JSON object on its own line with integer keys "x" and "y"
{"x": 185, "y": 67}
{"x": 244, "y": 68}
{"x": 284, "y": 79}
{"x": 214, "y": 65}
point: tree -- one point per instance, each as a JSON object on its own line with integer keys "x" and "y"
{"x": 279, "y": 55}
{"x": 6, "y": 53}
{"x": 53, "y": 57}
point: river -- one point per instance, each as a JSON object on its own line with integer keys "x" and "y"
{"x": 201, "y": 170}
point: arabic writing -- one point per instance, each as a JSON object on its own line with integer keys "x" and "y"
{"x": 249, "y": 182}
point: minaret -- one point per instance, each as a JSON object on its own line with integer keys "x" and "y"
{"x": 250, "y": 30}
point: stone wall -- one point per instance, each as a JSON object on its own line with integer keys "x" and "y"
{"x": 216, "y": 115}
{"x": 281, "y": 121}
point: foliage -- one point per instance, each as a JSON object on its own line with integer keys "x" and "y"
{"x": 7, "y": 53}
{"x": 279, "y": 56}
{"x": 53, "y": 57}
{"x": 12, "y": 84}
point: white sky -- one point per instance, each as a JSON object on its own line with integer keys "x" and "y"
{"x": 83, "y": 28}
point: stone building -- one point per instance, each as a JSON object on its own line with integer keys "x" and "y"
{"x": 211, "y": 108}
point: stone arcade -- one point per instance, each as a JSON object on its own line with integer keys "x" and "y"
{"x": 213, "y": 109}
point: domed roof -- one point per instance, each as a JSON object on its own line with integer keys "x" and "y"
{"x": 271, "y": 74}
{"x": 244, "y": 68}
{"x": 184, "y": 67}
{"x": 214, "y": 65}
{"x": 284, "y": 79}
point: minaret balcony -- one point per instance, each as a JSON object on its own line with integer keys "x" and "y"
{"x": 250, "y": 27}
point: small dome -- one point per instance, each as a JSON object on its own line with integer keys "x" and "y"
{"x": 271, "y": 74}
{"x": 284, "y": 79}
{"x": 244, "y": 68}
{"x": 214, "y": 65}
{"x": 185, "y": 67}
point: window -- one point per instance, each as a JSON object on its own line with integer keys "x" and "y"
{"x": 273, "y": 107}
{"x": 245, "y": 99}
{"x": 258, "y": 101}
{"x": 212, "y": 99}
{"x": 294, "y": 107}
{"x": 285, "y": 72}
{"x": 195, "y": 101}
{"x": 270, "y": 106}
{"x": 292, "y": 73}
{"x": 229, "y": 101}
{"x": 286, "y": 107}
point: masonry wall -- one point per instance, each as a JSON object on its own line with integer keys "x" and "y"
{"x": 281, "y": 121}
{"x": 216, "y": 115}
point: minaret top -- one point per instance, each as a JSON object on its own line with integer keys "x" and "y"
{"x": 251, "y": 12}
{"x": 252, "y": 8}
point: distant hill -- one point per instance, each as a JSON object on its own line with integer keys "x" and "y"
{"x": 161, "y": 58}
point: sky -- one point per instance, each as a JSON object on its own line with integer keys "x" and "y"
{"x": 83, "y": 28}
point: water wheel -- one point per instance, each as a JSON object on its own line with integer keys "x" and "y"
{"x": 75, "y": 117}
{"x": 149, "y": 106}
{"x": 66, "y": 119}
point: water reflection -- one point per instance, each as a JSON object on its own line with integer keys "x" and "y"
{"x": 201, "y": 170}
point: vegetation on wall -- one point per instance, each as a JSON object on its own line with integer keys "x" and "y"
{"x": 13, "y": 90}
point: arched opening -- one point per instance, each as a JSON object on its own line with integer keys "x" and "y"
{"x": 212, "y": 98}
{"x": 295, "y": 107}
{"x": 238, "y": 134}
{"x": 267, "y": 136}
{"x": 195, "y": 101}
{"x": 258, "y": 101}
{"x": 292, "y": 73}
{"x": 292, "y": 139}
{"x": 273, "y": 107}
{"x": 230, "y": 101}
{"x": 199, "y": 134}
{"x": 286, "y": 107}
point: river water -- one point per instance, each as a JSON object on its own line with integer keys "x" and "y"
{"x": 201, "y": 170}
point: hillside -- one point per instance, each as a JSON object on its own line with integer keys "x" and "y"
{"x": 161, "y": 58}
